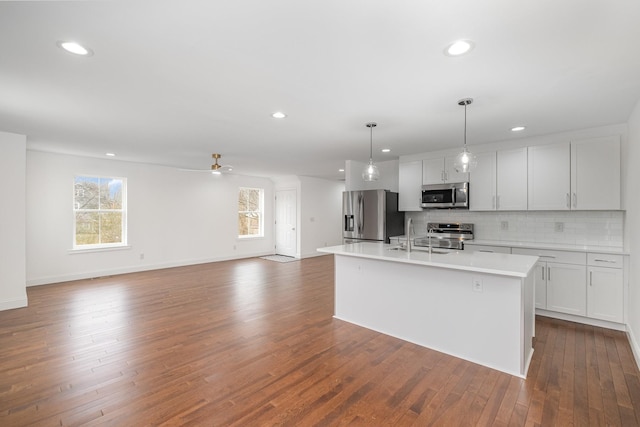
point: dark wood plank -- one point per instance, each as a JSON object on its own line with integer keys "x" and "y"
{"x": 253, "y": 342}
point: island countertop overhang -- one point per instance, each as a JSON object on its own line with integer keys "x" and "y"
{"x": 482, "y": 262}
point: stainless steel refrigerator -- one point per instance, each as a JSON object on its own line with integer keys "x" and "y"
{"x": 370, "y": 215}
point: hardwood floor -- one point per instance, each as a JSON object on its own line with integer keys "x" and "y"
{"x": 253, "y": 342}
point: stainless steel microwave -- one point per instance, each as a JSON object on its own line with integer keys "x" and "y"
{"x": 446, "y": 196}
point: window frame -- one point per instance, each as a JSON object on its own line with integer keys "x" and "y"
{"x": 75, "y": 247}
{"x": 260, "y": 212}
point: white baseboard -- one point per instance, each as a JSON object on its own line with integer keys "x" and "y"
{"x": 132, "y": 269}
{"x": 313, "y": 254}
{"x": 10, "y": 304}
{"x": 581, "y": 319}
{"x": 633, "y": 342}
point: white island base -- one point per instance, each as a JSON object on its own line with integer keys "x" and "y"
{"x": 453, "y": 308}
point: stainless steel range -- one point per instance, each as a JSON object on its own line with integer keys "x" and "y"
{"x": 446, "y": 235}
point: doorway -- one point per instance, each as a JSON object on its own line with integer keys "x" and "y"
{"x": 286, "y": 222}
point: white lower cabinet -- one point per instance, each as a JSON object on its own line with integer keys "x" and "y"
{"x": 605, "y": 289}
{"x": 540, "y": 285}
{"x": 559, "y": 280}
{"x": 566, "y": 288}
{"x": 582, "y": 284}
{"x": 605, "y": 294}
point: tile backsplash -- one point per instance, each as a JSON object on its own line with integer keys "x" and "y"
{"x": 592, "y": 228}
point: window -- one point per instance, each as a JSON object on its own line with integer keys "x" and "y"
{"x": 99, "y": 207}
{"x": 250, "y": 215}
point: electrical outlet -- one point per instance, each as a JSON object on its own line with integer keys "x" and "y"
{"x": 504, "y": 225}
{"x": 234, "y": 247}
{"x": 141, "y": 256}
{"x": 559, "y": 227}
{"x": 477, "y": 285}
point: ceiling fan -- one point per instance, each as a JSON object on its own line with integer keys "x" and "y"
{"x": 216, "y": 168}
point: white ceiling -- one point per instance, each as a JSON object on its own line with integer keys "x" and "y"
{"x": 173, "y": 81}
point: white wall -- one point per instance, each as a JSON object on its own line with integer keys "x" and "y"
{"x": 389, "y": 172}
{"x": 174, "y": 218}
{"x": 12, "y": 221}
{"x": 320, "y": 215}
{"x": 632, "y": 228}
{"x": 319, "y": 212}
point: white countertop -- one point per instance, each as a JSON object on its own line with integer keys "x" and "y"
{"x": 492, "y": 263}
{"x": 551, "y": 246}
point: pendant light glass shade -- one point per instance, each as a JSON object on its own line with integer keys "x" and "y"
{"x": 371, "y": 172}
{"x": 466, "y": 160}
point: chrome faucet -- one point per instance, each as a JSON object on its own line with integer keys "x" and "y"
{"x": 409, "y": 234}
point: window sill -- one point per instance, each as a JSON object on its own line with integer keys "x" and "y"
{"x": 105, "y": 249}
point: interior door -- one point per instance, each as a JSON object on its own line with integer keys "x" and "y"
{"x": 286, "y": 222}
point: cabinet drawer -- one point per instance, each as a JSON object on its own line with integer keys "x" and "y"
{"x": 564, "y": 257}
{"x": 488, "y": 248}
{"x": 605, "y": 260}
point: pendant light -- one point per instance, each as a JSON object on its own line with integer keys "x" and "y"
{"x": 371, "y": 172}
{"x": 466, "y": 160}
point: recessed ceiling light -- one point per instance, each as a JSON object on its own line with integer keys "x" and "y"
{"x": 110, "y": 154}
{"x": 278, "y": 115}
{"x": 517, "y": 128}
{"x": 340, "y": 170}
{"x": 386, "y": 150}
{"x": 75, "y": 48}
{"x": 459, "y": 47}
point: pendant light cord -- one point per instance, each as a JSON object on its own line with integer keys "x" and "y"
{"x": 465, "y": 125}
{"x": 371, "y": 125}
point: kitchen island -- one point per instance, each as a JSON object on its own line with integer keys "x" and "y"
{"x": 473, "y": 305}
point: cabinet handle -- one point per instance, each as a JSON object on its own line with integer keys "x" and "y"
{"x": 484, "y": 250}
{"x": 604, "y": 260}
{"x": 549, "y": 274}
{"x": 568, "y": 202}
{"x": 575, "y": 200}
{"x": 493, "y": 202}
{"x": 543, "y": 272}
{"x": 591, "y": 278}
{"x": 547, "y": 256}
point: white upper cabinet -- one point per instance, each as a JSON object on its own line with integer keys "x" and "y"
{"x": 595, "y": 174}
{"x": 511, "y": 180}
{"x": 549, "y": 177}
{"x": 482, "y": 183}
{"x": 499, "y": 182}
{"x": 439, "y": 170}
{"x": 581, "y": 175}
{"x": 410, "y": 186}
{"x": 576, "y": 175}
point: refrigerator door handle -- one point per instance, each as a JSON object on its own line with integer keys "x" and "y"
{"x": 360, "y": 213}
